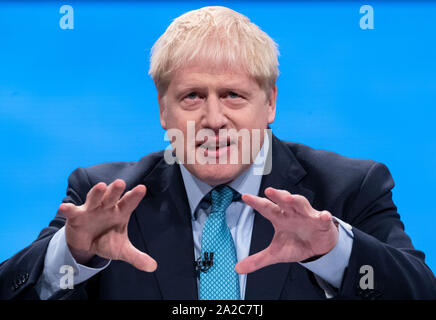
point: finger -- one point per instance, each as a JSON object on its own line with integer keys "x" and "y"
{"x": 94, "y": 196}
{"x": 131, "y": 199}
{"x": 68, "y": 210}
{"x": 255, "y": 262}
{"x": 265, "y": 207}
{"x": 138, "y": 259}
{"x": 286, "y": 201}
{"x": 113, "y": 193}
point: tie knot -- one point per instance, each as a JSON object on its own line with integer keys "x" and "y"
{"x": 222, "y": 196}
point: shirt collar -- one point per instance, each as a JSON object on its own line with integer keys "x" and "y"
{"x": 247, "y": 182}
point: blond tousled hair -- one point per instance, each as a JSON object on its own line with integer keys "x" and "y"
{"x": 219, "y": 36}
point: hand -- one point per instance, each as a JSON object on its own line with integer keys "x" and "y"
{"x": 300, "y": 232}
{"x": 99, "y": 226}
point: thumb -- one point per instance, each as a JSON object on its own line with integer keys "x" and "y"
{"x": 254, "y": 262}
{"x": 326, "y": 220}
{"x": 67, "y": 210}
{"x": 138, "y": 259}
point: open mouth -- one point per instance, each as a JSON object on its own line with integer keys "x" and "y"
{"x": 214, "y": 147}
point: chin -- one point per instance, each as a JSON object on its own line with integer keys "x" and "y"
{"x": 216, "y": 174}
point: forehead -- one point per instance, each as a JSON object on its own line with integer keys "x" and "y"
{"x": 204, "y": 74}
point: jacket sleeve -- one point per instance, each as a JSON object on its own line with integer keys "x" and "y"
{"x": 20, "y": 273}
{"x": 383, "y": 263}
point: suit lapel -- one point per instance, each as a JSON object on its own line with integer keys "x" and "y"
{"x": 287, "y": 172}
{"x": 164, "y": 220}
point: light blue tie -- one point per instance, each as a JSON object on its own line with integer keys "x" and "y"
{"x": 220, "y": 282}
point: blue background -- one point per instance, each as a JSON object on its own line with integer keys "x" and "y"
{"x": 71, "y": 98}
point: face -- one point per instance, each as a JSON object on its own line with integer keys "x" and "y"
{"x": 227, "y": 112}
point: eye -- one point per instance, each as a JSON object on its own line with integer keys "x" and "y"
{"x": 192, "y": 95}
{"x": 191, "y": 100}
{"x": 233, "y": 95}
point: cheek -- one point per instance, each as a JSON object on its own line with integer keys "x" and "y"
{"x": 251, "y": 118}
{"x": 178, "y": 117}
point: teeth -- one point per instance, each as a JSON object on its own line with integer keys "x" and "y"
{"x": 214, "y": 146}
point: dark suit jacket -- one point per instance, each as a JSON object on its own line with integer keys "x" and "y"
{"x": 354, "y": 190}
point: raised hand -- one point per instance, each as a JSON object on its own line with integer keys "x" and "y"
{"x": 300, "y": 231}
{"x": 99, "y": 226}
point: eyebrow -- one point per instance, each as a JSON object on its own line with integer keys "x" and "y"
{"x": 182, "y": 89}
{"x": 242, "y": 91}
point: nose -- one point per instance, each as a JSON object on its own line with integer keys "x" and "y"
{"x": 214, "y": 117}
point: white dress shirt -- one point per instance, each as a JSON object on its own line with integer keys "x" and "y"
{"x": 328, "y": 269}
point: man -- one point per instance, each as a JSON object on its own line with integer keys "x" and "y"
{"x": 201, "y": 221}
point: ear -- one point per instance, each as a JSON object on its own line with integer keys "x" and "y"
{"x": 162, "y": 111}
{"x": 271, "y": 104}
